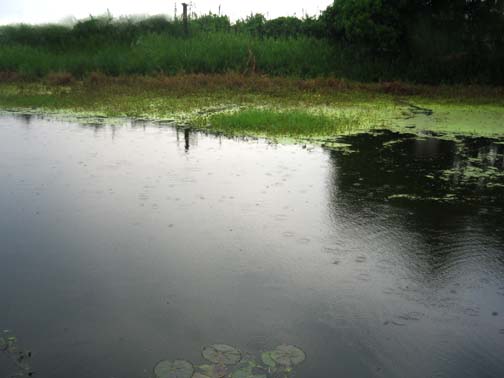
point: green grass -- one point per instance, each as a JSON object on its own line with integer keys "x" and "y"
{"x": 154, "y": 54}
{"x": 291, "y": 123}
{"x": 292, "y": 47}
{"x": 264, "y": 106}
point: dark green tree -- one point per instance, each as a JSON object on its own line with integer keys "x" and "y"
{"x": 377, "y": 24}
{"x": 253, "y": 25}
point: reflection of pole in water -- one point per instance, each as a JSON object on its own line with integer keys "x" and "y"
{"x": 25, "y": 117}
{"x": 190, "y": 139}
{"x": 186, "y": 139}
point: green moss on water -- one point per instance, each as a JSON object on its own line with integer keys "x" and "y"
{"x": 265, "y": 107}
{"x": 411, "y": 197}
{"x": 281, "y": 111}
{"x": 472, "y": 173}
{"x": 460, "y": 119}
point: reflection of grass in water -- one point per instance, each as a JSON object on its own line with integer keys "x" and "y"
{"x": 469, "y": 179}
{"x": 286, "y": 123}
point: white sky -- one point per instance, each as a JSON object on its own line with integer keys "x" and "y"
{"x": 37, "y": 11}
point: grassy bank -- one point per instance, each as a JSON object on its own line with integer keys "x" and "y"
{"x": 153, "y": 54}
{"x": 261, "y": 105}
{"x": 368, "y": 41}
{"x": 287, "y": 46}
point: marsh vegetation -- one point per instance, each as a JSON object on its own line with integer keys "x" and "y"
{"x": 353, "y": 66}
{"x": 257, "y": 105}
{"x": 418, "y": 41}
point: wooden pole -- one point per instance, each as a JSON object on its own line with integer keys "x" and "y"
{"x": 186, "y": 24}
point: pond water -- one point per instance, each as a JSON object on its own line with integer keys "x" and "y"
{"x": 123, "y": 245}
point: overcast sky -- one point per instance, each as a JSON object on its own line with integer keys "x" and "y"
{"x": 43, "y": 11}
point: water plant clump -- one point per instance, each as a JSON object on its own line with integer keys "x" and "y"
{"x": 287, "y": 122}
{"x": 173, "y": 369}
{"x": 227, "y": 361}
{"x": 19, "y": 358}
{"x": 288, "y": 355}
{"x": 221, "y": 354}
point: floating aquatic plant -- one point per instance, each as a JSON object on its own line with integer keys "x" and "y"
{"x": 249, "y": 369}
{"x": 229, "y": 362}
{"x": 19, "y": 357}
{"x": 212, "y": 371}
{"x": 174, "y": 369}
{"x": 268, "y": 360}
{"x": 221, "y": 354}
{"x": 288, "y": 355}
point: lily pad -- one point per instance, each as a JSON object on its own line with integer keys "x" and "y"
{"x": 221, "y": 354}
{"x": 199, "y": 375}
{"x": 248, "y": 369}
{"x": 12, "y": 346}
{"x": 213, "y": 371}
{"x": 288, "y": 355}
{"x": 268, "y": 360}
{"x": 174, "y": 369}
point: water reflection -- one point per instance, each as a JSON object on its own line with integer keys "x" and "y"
{"x": 116, "y": 254}
{"x": 438, "y": 207}
{"x": 190, "y": 138}
{"x": 25, "y": 118}
{"x": 392, "y": 166}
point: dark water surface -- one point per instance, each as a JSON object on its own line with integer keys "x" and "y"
{"x": 124, "y": 245}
